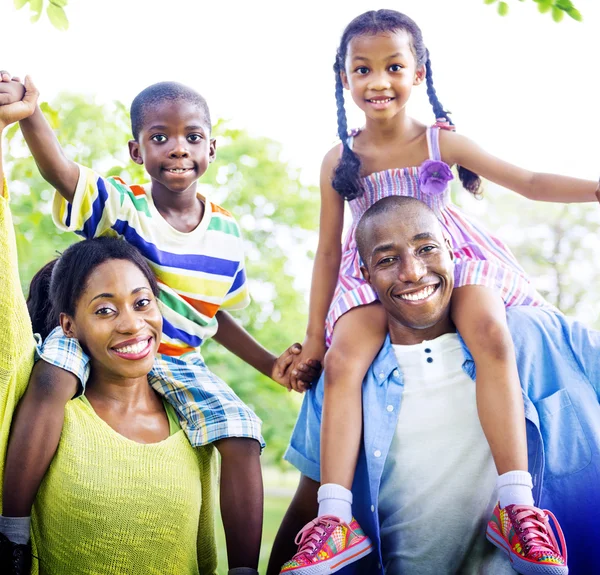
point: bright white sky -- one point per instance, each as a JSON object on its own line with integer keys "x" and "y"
{"x": 523, "y": 87}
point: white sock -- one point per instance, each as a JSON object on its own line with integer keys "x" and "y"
{"x": 16, "y": 529}
{"x": 335, "y": 500}
{"x": 515, "y": 488}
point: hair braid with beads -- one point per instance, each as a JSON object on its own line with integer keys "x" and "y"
{"x": 346, "y": 178}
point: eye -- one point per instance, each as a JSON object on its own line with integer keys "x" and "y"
{"x": 143, "y": 303}
{"x": 396, "y": 68}
{"x": 104, "y": 311}
{"x": 159, "y": 138}
{"x": 194, "y": 138}
{"x": 362, "y": 70}
{"x": 427, "y": 249}
{"x": 387, "y": 260}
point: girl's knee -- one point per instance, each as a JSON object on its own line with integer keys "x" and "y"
{"x": 52, "y": 384}
{"x": 238, "y": 447}
{"x": 494, "y": 339}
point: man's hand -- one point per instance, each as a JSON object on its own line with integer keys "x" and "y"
{"x": 306, "y": 373}
{"x": 17, "y": 102}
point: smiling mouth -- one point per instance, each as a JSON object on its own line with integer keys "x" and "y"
{"x": 380, "y": 101}
{"x": 178, "y": 170}
{"x": 419, "y": 295}
{"x": 136, "y": 350}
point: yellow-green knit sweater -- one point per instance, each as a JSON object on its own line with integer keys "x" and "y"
{"x": 108, "y": 505}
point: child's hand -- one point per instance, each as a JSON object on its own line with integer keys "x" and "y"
{"x": 311, "y": 354}
{"x": 306, "y": 375}
{"x": 17, "y": 102}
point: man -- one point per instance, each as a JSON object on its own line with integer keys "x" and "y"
{"x": 424, "y": 484}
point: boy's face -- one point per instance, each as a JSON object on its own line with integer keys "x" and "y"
{"x": 174, "y": 145}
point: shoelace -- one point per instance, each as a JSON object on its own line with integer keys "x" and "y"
{"x": 535, "y": 532}
{"x": 312, "y": 534}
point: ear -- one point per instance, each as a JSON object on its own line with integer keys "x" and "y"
{"x": 449, "y": 248}
{"x": 419, "y": 75}
{"x": 68, "y": 325}
{"x": 134, "y": 152}
{"x": 366, "y": 274}
{"x": 212, "y": 154}
{"x": 344, "y": 78}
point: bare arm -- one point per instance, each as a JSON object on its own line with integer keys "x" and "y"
{"x": 457, "y": 149}
{"x": 238, "y": 341}
{"x": 302, "y": 509}
{"x": 329, "y": 250}
{"x": 55, "y": 167}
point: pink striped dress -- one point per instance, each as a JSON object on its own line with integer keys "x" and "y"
{"x": 481, "y": 259}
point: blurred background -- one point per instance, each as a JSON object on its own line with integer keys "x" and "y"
{"x": 524, "y": 85}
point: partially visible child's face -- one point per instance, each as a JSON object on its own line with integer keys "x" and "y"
{"x": 174, "y": 145}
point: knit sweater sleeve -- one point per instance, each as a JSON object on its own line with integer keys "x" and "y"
{"x": 17, "y": 344}
{"x": 207, "y": 545}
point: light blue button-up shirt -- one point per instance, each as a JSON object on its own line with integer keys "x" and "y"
{"x": 559, "y": 367}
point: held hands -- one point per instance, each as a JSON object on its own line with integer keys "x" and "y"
{"x": 311, "y": 355}
{"x": 17, "y": 101}
{"x": 306, "y": 373}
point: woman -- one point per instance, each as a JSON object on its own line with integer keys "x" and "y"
{"x": 126, "y": 492}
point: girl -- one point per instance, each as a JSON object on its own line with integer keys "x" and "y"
{"x": 380, "y": 58}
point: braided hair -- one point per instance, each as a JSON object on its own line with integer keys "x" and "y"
{"x": 346, "y": 178}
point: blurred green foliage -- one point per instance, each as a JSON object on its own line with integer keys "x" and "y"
{"x": 556, "y": 8}
{"x": 276, "y": 212}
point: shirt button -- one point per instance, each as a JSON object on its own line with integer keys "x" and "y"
{"x": 382, "y": 375}
{"x": 427, "y": 350}
{"x": 395, "y": 373}
{"x": 372, "y": 508}
{"x": 430, "y": 360}
{"x": 390, "y": 408}
{"x": 377, "y": 453}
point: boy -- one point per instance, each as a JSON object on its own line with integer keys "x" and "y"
{"x": 196, "y": 251}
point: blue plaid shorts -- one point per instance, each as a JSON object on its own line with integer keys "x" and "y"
{"x": 208, "y": 408}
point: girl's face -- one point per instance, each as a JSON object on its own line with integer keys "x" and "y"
{"x": 380, "y": 71}
{"x": 117, "y": 321}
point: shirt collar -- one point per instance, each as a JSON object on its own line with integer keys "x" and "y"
{"x": 385, "y": 362}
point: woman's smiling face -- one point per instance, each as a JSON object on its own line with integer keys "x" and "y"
{"x": 117, "y": 321}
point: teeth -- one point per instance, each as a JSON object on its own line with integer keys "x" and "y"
{"x": 133, "y": 349}
{"x": 178, "y": 170}
{"x": 381, "y": 101}
{"x": 416, "y": 296}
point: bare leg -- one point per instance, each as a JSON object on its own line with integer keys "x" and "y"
{"x": 241, "y": 500}
{"x": 35, "y": 434}
{"x": 357, "y": 337}
{"x": 480, "y": 317}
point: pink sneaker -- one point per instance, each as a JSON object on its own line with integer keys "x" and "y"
{"x": 524, "y": 533}
{"x": 326, "y": 545}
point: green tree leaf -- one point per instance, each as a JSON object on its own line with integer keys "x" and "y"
{"x": 503, "y": 8}
{"x": 19, "y": 3}
{"x": 57, "y": 17}
{"x": 545, "y": 6}
{"x": 575, "y": 14}
{"x": 557, "y": 14}
{"x": 59, "y": 3}
{"x": 489, "y": 1}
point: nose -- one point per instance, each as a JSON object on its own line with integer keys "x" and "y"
{"x": 130, "y": 321}
{"x": 179, "y": 149}
{"x": 411, "y": 269}
{"x": 379, "y": 81}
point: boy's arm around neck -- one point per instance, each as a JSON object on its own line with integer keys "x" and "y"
{"x": 54, "y": 166}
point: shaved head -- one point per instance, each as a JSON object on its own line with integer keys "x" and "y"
{"x": 399, "y": 207}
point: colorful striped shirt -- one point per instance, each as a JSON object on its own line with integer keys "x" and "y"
{"x": 198, "y": 272}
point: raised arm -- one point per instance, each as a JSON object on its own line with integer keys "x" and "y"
{"x": 55, "y": 167}
{"x": 457, "y": 149}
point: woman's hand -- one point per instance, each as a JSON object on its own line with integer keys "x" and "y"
{"x": 17, "y": 101}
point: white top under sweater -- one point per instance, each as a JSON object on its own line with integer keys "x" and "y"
{"x": 438, "y": 485}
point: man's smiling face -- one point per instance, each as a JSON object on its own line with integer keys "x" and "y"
{"x": 408, "y": 262}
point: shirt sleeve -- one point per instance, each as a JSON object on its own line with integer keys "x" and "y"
{"x": 97, "y": 204}
{"x": 304, "y": 450}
